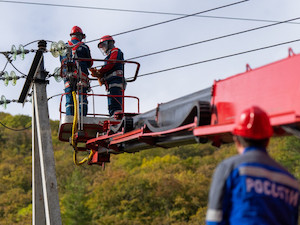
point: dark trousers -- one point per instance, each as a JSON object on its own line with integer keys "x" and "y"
{"x": 114, "y": 103}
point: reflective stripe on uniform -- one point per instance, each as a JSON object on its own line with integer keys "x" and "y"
{"x": 113, "y": 50}
{"x": 67, "y": 84}
{"x": 115, "y": 85}
{"x": 270, "y": 175}
{"x": 118, "y": 73}
{"x": 214, "y": 215}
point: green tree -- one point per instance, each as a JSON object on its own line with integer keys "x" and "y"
{"x": 155, "y": 186}
{"x": 74, "y": 209}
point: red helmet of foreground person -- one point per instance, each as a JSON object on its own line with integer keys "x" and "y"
{"x": 76, "y": 30}
{"x": 253, "y": 123}
{"x": 105, "y": 38}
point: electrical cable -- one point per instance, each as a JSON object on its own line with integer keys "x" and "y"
{"x": 175, "y": 19}
{"x": 13, "y": 129}
{"x": 183, "y": 16}
{"x": 17, "y": 69}
{"x": 218, "y": 58}
{"x": 214, "y": 39}
{"x": 244, "y": 19}
{"x": 139, "y": 11}
{"x": 136, "y": 29}
{"x": 5, "y": 66}
{"x": 54, "y": 96}
{"x": 35, "y": 40}
{"x": 213, "y": 59}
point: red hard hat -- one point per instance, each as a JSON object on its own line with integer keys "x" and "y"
{"x": 105, "y": 38}
{"x": 76, "y": 30}
{"x": 253, "y": 123}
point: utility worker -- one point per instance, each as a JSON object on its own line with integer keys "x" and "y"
{"x": 79, "y": 80}
{"x": 251, "y": 188}
{"x": 111, "y": 74}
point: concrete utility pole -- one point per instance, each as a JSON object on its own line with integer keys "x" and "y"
{"x": 45, "y": 201}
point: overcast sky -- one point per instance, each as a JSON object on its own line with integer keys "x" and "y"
{"x": 24, "y": 23}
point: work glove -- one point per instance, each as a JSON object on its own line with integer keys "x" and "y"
{"x": 95, "y": 72}
{"x": 100, "y": 81}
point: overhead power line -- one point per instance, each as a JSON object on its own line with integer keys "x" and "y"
{"x": 218, "y": 58}
{"x": 214, "y": 39}
{"x": 138, "y": 11}
{"x": 14, "y": 129}
{"x": 35, "y": 41}
{"x": 175, "y": 19}
{"x": 148, "y": 26}
{"x": 93, "y": 8}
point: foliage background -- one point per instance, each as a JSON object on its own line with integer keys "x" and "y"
{"x": 157, "y": 186}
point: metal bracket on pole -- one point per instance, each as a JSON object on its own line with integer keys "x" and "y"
{"x": 31, "y": 75}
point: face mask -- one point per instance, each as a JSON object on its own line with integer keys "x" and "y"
{"x": 103, "y": 47}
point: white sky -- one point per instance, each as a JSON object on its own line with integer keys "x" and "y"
{"x": 21, "y": 24}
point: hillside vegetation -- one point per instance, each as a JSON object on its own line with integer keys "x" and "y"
{"x": 157, "y": 186}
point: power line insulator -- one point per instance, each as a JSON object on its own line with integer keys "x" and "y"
{"x": 14, "y": 78}
{"x": 21, "y": 51}
{"x": 14, "y": 52}
{"x": 4, "y": 101}
{"x": 58, "y": 49}
{"x": 54, "y": 49}
{"x": 57, "y": 75}
{"x": 6, "y": 78}
{"x": 9, "y": 77}
{"x": 61, "y": 47}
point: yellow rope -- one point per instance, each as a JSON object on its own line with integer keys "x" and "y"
{"x": 74, "y": 127}
{"x": 74, "y": 130}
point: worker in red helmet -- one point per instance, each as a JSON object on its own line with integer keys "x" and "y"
{"x": 79, "y": 80}
{"x": 111, "y": 74}
{"x": 251, "y": 188}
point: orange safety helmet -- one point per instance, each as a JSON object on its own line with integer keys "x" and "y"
{"x": 105, "y": 38}
{"x": 253, "y": 123}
